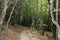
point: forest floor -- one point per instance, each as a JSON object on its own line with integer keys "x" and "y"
{"x": 24, "y": 33}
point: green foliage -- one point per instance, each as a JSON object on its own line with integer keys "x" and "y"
{"x": 27, "y": 11}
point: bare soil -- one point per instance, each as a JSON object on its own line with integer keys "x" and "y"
{"x": 23, "y": 33}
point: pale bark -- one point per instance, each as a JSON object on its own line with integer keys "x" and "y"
{"x": 58, "y": 28}
{"x": 52, "y": 16}
{"x": 3, "y": 32}
{"x": 4, "y": 11}
{"x": 11, "y": 12}
{"x": 57, "y": 11}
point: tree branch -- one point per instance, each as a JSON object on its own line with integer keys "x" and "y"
{"x": 4, "y": 11}
{"x": 57, "y": 11}
{"x": 52, "y": 16}
{"x": 11, "y": 13}
{"x": 51, "y": 12}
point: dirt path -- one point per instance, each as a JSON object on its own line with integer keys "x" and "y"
{"x": 13, "y": 33}
{"x": 24, "y": 34}
{"x": 29, "y": 35}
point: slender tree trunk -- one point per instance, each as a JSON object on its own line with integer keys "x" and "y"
{"x": 4, "y": 11}
{"x": 52, "y": 16}
{"x": 57, "y": 29}
{"x": 11, "y": 12}
{"x": 2, "y": 28}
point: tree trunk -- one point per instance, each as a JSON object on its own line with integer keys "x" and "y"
{"x": 3, "y": 28}
{"x": 53, "y": 20}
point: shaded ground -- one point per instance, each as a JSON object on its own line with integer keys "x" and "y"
{"x": 24, "y": 33}
{"x": 13, "y": 33}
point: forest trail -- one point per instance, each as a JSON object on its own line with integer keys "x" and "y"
{"x": 24, "y": 33}
{"x": 13, "y": 33}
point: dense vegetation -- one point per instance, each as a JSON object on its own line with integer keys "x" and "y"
{"x": 30, "y": 13}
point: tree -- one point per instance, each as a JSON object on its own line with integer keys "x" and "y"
{"x": 52, "y": 17}
{"x": 4, "y": 11}
{"x": 6, "y": 5}
{"x": 3, "y": 33}
{"x": 11, "y": 12}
